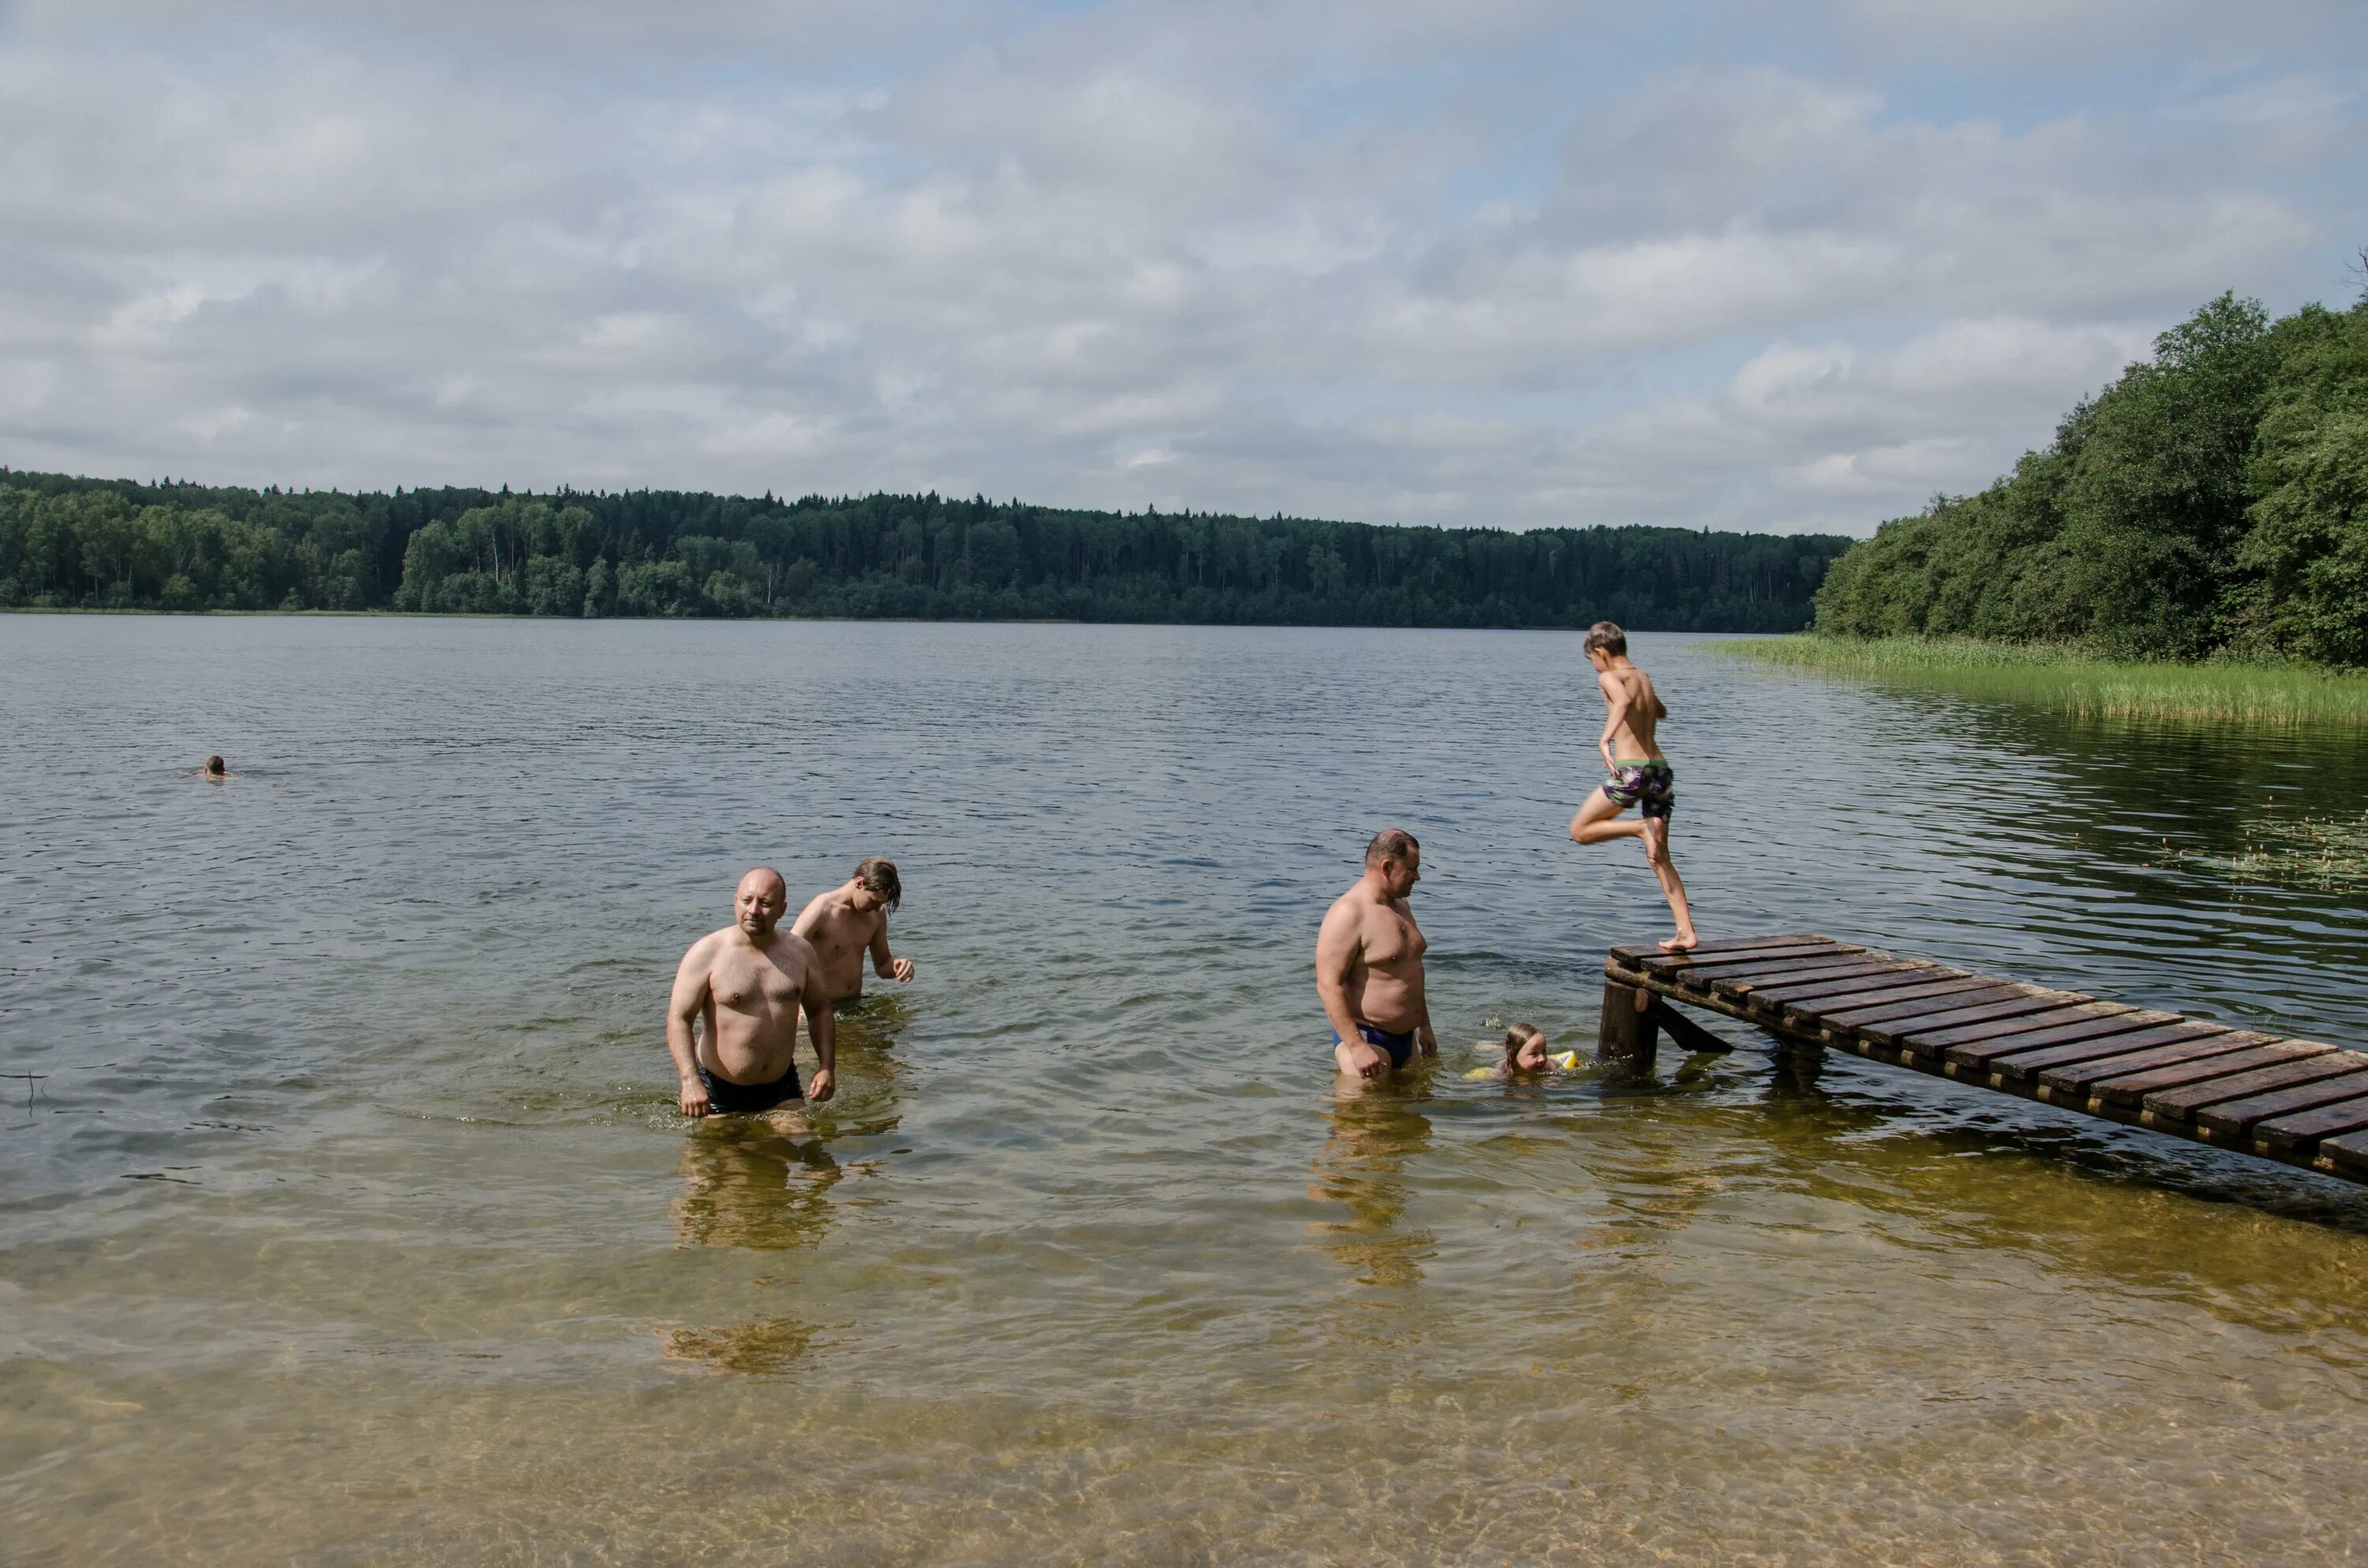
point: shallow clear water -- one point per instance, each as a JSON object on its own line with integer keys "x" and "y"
{"x": 349, "y": 1220}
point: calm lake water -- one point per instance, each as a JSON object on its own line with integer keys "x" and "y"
{"x": 350, "y": 1220}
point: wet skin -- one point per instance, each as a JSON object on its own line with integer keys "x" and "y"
{"x": 1369, "y": 966}
{"x": 1632, "y": 712}
{"x": 746, "y": 985}
{"x": 844, "y": 925}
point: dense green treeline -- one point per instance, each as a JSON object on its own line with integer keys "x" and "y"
{"x": 2212, "y": 500}
{"x": 67, "y": 542}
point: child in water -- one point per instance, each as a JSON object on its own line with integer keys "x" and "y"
{"x": 1525, "y": 1052}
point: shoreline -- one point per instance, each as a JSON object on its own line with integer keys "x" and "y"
{"x": 382, "y": 613}
{"x": 2078, "y": 684}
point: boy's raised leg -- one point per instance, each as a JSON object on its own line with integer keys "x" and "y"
{"x": 1598, "y": 820}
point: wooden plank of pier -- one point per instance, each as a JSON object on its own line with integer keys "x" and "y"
{"x": 2301, "y": 1102}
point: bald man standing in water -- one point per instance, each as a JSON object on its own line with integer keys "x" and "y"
{"x": 1369, "y": 963}
{"x": 745, "y": 984}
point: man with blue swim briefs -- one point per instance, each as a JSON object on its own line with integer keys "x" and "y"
{"x": 742, "y": 988}
{"x": 1368, "y": 964}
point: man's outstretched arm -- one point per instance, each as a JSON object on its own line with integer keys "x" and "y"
{"x": 683, "y": 1008}
{"x": 822, "y": 1025}
{"x": 1336, "y": 958}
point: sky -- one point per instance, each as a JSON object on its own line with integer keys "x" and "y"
{"x": 1493, "y": 262}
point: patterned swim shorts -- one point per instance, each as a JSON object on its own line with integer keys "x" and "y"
{"x": 1648, "y": 784}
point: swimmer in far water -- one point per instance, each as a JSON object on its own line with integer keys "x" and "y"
{"x": 1640, "y": 774}
{"x": 746, "y": 985}
{"x": 216, "y": 767}
{"x": 850, "y": 920}
{"x": 1368, "y": 964}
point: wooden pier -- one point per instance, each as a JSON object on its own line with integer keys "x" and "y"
{"x": 2293, "y": 1100}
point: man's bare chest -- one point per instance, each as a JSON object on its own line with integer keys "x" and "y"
{"x": 750, "y": 983}
{"x": 1392, "y": 940}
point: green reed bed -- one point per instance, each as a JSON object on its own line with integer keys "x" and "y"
{"x": 2075, "y": 683}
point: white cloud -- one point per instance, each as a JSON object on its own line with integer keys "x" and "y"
{"x": 1880, "y": 470}
{"x": 214, "y": 423}
{"x": 1781, "y": 374}
{"x": 144, "y": 322}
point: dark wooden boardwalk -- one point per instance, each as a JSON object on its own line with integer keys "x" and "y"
{"x": 2293, "y": 1100}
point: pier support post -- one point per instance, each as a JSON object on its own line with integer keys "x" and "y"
{"x": 1629, "y": 1030}
{"x": 1683, "y": 1032}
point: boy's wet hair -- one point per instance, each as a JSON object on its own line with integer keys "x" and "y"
{"x": 1605, "y": 638}
{"x": 878, "y": 878}
{"x": 1391, "y": 843}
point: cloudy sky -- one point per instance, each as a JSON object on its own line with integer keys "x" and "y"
{"x": 1482, "y": 262}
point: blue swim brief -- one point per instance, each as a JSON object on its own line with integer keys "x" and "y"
{"x": 1399, "y": 1046}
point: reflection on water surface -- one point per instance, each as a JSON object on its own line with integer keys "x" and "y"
{"x": 1363, "y": 1168}
{"x": 751, "y": 1181}
{"x": 351, "y": 1221}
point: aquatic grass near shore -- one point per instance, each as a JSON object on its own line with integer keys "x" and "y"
{"x": 2330, "y": 854}
{"x": 2075, "y": 683}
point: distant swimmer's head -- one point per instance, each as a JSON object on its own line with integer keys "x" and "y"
{"x": 216, "y": 769}
{"x": 1605, "y": 643}
{"x": 1525, "y": 1049}
{"x": 876, "y": 883}
{"x": 1397, "y": 857}
{"x": 760, "y": 901}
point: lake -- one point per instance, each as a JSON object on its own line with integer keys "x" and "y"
{"x": 348, "y": 1218}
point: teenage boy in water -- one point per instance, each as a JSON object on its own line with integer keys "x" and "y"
{"x": 851, "y": 920}
{"x": 1640, "y": 774}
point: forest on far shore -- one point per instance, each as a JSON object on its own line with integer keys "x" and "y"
{"x": 115, "y": 544}
{"x": 2212, "y": 500}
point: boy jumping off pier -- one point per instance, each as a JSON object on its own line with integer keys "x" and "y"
{"x": 1640, "y": 774}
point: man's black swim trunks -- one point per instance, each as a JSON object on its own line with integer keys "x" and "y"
{"x": 1648, "y": 784}
{"x": 1399, "y": 1046}
{"x": 725, "y": 1098}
